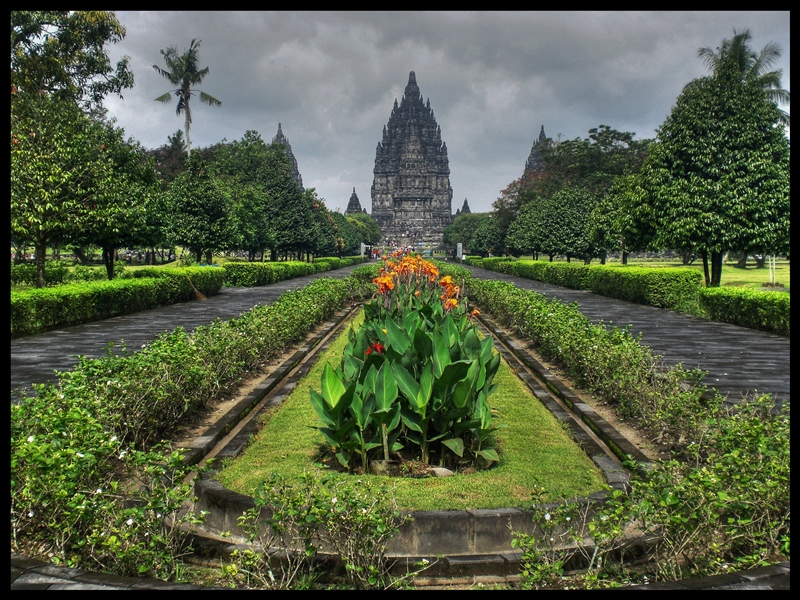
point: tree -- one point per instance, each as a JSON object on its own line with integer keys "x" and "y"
{"x": 526, "y": 233}
{"x": 750, "y": 65}
{"x": 62, "y": 53}
{"x": 130, "y": 216}
{"x": 718, "y": 178}
{"x": 461, "y": 230}
{"x": 182, "y": 70}
{"x": 370, "y": 230}
{"x": 200, "y": 211}
{"x": 565, "y": 224}
{"x": 60, "y": 175}
{"x": 488, "y": 238}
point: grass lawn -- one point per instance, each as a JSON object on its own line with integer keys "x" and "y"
{"x": 535, "y": 450}
{"x": 749, "y": 277}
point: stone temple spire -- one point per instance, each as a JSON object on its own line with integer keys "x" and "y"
{"x": 411, "y": 192}
{"x": 354, "y": 206}
{"x": 281, "y": 139}
{"x": 534, "y": 163}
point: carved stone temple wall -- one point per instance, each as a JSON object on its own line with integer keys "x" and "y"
{"x": 411, "y": 193}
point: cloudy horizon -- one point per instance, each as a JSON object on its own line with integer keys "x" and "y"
{"x": 493, "y": 80}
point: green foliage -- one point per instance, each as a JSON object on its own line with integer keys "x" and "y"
{"x": 63, "y": 53}
{"x": 414, "y": 373}
{"x": 38, "y": 310}
{"x": 724, "y": 508}
{"x": 83, "y": 497}
{"x": 719, "y": 176}
{"x": 463, "y": 228}
{"x": 312, "y": 515}
{"x": 767, "y": 311}
{"x": 182, "y": 70}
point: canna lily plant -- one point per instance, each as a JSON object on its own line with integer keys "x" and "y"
{"x": 414, "y": 374}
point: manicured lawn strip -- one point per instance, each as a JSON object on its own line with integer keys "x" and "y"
{"x": 535, "y": 451}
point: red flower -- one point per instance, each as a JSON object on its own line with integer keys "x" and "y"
{"x": 377, "y": 346}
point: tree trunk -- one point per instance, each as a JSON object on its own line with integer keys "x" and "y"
{"x": 210, "y": 257}
{"x": 704, "y": 255}
{"x": 40, "y": 248}
{"x": 716, "y": 268}
{"x": 108, "y": 261}
{"x": 624, "y": 257}
{"x": 199, "y": 256}
{"x": 761, "y": 259}
{"x": 742, "y": 262}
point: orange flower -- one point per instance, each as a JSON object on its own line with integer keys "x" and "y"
{"x": 451, "y": 303}
{"x": 417, "y": 293}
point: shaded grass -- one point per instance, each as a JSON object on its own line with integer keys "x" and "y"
{"x": 537, "y": 453}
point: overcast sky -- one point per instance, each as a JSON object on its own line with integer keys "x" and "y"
{"x": 493, "y": 80}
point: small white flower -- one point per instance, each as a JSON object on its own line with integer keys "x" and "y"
{"x": 425, "y": 561}
{"x": 79, "y": 455}
{"x": 158, "y": 515}
{"x": 333, "y": 500}
{"x": 568, "y": 519}
{"x": 30, "y": 439}
{"x": 122, "y": 454}
{"x": 552, "y": 540}
{"x": 604, "y": 518}
{"x": 30, "y": 514}
{"x": 61, "y": 396}
{"x": 129, "y": 521}
{"x": 114, "y": 439}
{"x": 99, "y": 490}
{"x": 547, "y": 516}
{"x": 108, "y": 382}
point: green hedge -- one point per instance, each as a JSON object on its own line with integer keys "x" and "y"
{"x": 39, "y": 310}
{"x": 669, "y": 288}
{"x": 764, "y": 310}
{"x": 68, "y": 441}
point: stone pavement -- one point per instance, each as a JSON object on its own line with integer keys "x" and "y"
{"x": 739, "y": 362}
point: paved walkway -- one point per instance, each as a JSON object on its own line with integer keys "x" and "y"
{"x": 739, "y": 362}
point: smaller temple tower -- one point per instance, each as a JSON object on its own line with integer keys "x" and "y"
{"x": 281, "y": 139}
{"x": 354, "y": 206}
{"x": 464, "y": 209}
{"x": 534, "y": 163}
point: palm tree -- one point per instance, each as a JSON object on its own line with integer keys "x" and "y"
{"x": 751, "y": 65}
{"x": 182, "y": 71}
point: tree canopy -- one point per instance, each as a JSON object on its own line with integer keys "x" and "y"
{"x": 718, "y": 178}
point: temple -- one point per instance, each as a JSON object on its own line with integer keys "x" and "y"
{"x": 534, "y": 163}
{"x": 354, "y": 206}
{"x": 281, "y": 139}
{"x": 411, "y": 193}
{"x": 464, "y": 210}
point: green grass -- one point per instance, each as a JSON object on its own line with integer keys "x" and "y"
{"x": 749, "y": 277}
{"x": 536, "y": 452}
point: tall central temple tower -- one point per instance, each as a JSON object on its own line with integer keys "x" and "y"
{"x": 411, "y": 193}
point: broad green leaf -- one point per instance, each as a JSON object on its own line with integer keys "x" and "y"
{"x": 489, "y": 454}
{"x": 385, "y": 388}
{"x": 397, "y": 338}
{"x": 456, "y": 445}
{"x": 332, "y": 387}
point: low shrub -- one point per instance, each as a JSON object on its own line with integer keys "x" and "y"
{"x": 764, "y": 310}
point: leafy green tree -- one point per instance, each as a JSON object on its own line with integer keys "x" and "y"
{"x": 754, "y": 66}
{"x": 61, "y": 177}
{"x": 488, "y": 238}
{"x": 751, "y": 65}
{"x": 370, "y": 231}
{"x": 461, "y": 230}
{"x": 565, "y": 224}
{"x": 169, "y": 160}
{"x": 526, "y": 232}
{"x": 200, "y": 211}
{"x": 620, "y": 221}
{"x": 62, "y": 53}
{"x": 719, "y": 176}
{"x": 182, "y": 70}
{"x": 130, "y": 217}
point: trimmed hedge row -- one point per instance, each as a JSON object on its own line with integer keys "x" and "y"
{"x": 39, "y": 310}
{"x": 767, "y": 311}
{"x": 669, "y": 288}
